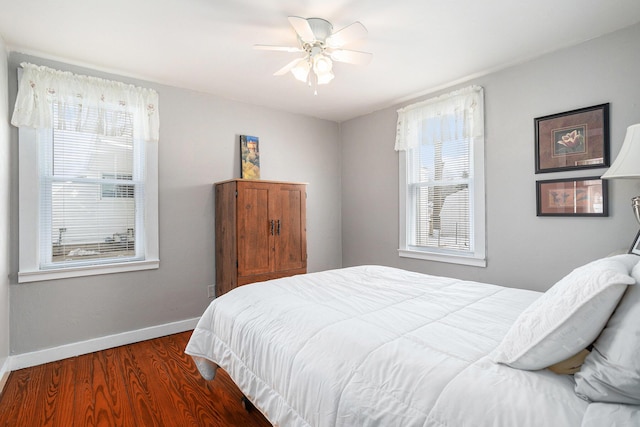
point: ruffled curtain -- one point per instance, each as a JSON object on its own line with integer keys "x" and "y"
{"x": 447, "y": 117}
{"x": 80, "y": 99}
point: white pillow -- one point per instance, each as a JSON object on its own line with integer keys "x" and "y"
{"x": 611, "y": 373}
{"x": 568, "y": 317}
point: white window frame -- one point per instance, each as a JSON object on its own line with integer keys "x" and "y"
{"x": 477, "y": 254}
{"x": 29, "y": 218}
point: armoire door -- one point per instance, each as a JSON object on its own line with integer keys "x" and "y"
{"x": 256, "y": 230}
{"x": 289, "y": 213}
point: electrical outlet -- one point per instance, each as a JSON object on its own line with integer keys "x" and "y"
{"x": 211, "y": 291}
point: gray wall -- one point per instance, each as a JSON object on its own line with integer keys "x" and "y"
{"x": 4, "y": 207}
{"x": 523, "y": 250}
{"x": 352, "y": 173}
{"x": 198, "y": 146}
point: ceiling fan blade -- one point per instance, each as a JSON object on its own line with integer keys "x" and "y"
{"x": 351, "y": 56}
{"x": 288, "y": 67}
{"x": 278, "y": 48}
{"x": 346, "y": 35}
{"x": 302, "y": 27}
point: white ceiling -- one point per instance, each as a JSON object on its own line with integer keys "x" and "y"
{"x": 206, "y": 45}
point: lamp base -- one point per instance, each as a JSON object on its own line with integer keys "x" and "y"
{"x": 635, "y": 204}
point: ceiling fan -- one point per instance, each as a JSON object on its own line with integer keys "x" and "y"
{"x": 321, "y": 46}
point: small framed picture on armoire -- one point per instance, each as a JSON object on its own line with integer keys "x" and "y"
{"x": 249, "y": 157}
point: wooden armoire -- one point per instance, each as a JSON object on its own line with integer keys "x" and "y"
{"x": 261, "y": 231}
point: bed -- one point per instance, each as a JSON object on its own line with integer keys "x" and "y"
{"x": 380, "y": 346}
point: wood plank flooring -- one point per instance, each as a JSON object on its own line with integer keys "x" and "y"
{"x": 151, "y": 383}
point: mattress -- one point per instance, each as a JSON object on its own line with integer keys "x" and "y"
{"x": 379, "y": 346}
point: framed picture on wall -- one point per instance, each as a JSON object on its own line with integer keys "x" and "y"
{"x": 249, "y": 157}
{"x": 577, "y": 139}
{"x": 572, "y": 197}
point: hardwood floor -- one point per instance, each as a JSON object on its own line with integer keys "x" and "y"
{"x": 151, "y": 383}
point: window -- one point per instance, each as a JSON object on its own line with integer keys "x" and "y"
{"x": 93, "y": 164}
{"x": 441, "y": 145}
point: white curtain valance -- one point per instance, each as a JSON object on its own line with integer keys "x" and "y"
{"x": 78, "y": 97}
{"x": 455, "y": 115}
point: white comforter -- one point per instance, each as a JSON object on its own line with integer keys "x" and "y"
{"x": 378, "y": 346}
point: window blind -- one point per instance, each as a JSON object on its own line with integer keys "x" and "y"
{"x": 91, "y": 190}
{"x": 439, "y": 196}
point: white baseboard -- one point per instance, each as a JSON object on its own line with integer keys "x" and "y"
{"x": 34, "y": 358}
{"x": 4, "y": 373}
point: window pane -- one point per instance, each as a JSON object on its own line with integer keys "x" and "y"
{"x": 89, "y": 190}
{"x": 441, "y": 217}
{"x": 84, "y": 226}
{"x": 440, "y": 205}
{"x": 78, "y": 154}
{"x": 441, "y": 160}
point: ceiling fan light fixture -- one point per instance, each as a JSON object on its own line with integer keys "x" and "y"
{"x": 301, "y": 71}
{"x": 325, "y": 78}
{"x": 322, "y": 64}
{"x": 321, "y": 47}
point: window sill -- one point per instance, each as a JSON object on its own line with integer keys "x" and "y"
{"x": 448, "y": 258}
{"x": 92, "y": 270}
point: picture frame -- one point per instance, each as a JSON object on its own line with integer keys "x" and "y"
{"x": 635, "y": 246}
{"x": 249, "y": 157}
{"x": 572, "y": 197}
{"x": 577, "y": 139}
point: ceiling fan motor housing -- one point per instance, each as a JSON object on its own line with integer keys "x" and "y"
{"x": 321, "y": 29}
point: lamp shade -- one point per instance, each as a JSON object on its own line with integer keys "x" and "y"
{"x": 301, "y": 71}
{"x": 627, "y": 164}
{"x": 325, "y": 77}
{"x": 322, "y": 64}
